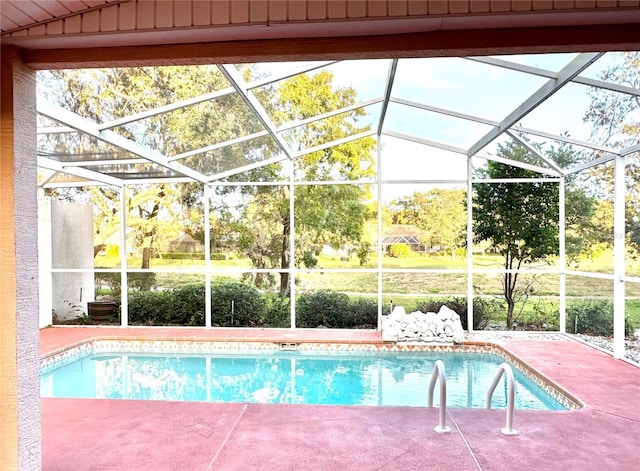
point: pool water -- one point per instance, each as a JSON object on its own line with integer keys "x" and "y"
{"x": 362, "y": 378}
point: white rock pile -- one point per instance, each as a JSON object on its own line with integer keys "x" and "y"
{"x": 419, "y": 327}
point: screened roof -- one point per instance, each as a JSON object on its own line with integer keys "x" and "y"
{"x": 451, "y": 108}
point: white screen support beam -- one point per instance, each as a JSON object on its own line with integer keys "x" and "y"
{"x": 469, "y": 245}
{"x": 379, "y": 221}
{"x": 234, "y": 77}
{"x": 562, "y": 259}
{"x": 619, "y": 250}
{"x": 535, "y": 152}
{"x": 87, "y": 126}
{"x": 575, "y": 67}
{"x": 90, "y": 175}
{"x": 393, "y": 67}
{"x": 124, "y": 288}
{"x": 207, "y": 255}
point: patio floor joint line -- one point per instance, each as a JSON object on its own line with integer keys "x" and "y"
{"x": 226, "y": 439}
{"x": 466, "y": 443}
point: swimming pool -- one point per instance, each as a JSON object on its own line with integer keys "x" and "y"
{"x": 299, "y": 377}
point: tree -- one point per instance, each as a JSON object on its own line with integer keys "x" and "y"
{"x": 520, "y": 219}
{"x": 260, "y": 229}
{"x": 614, "y": 115}
{"x": 441, "y": 214}
{"x": 144, "y": 207}
{"x": 581, "y": 230}
{"x": 331, "y": 214}
{"x": 615, "y": 121}
{"x": 103, "y": 95}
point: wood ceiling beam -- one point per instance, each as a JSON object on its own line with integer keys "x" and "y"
{"x": 469, "y": 42}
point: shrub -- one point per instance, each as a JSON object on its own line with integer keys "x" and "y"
{"x": 236, "y": 304}
{"x": 277, "y": 311}
{"x": 187, "y": 306}
{"x": 309, "y": 260}
{"x": 149, "y": 307}
{"x": 364, "y": 313}
{"x": 335, "y": 310}
{"x": 141, "y": 281}
{"x": 113, "y": 251}
{"x": 483, "y": 309}
{"x": 193, "y": 256}
{"x": 399, "y": 250}
{"x": 590, "y": 316}
{"x": 322, "y": 308}
{"x": 112, "y": 280}
{"x": 260, "y": 280}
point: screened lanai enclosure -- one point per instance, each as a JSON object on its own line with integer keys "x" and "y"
{"x": 323, "y": 194}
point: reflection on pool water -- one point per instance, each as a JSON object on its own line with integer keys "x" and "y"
{"x": 363, "y": 378}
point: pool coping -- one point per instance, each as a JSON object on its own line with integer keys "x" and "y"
{"x": 203, "y": 345}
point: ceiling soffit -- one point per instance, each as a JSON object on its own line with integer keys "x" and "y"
{"x": 101, "y": 23}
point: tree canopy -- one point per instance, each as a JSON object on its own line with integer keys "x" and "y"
{"x": 616, "y": 122}
{"x": 520, "y": 219}
{"x": 104, "y": 95}
{"x": 258, "y": 217}
{"x": 325, "y": 214}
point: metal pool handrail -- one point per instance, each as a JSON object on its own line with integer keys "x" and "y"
{"x": 438, "y": 374}
{"x": 506, "y": 369}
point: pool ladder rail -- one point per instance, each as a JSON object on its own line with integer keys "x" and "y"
{"x": 438, "y": 374}
{"x": 505, "y": 369}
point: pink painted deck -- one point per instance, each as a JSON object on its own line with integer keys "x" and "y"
{"x": 96, "y": 434}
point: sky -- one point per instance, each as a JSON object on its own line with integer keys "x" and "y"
{"x": 463, "y": 86}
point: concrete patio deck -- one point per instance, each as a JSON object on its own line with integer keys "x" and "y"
{"x": 97, "y": 434}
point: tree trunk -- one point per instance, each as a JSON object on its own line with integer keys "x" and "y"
{"x": 146, "y": 256}
{"x": 510, "y": 280}
{"x": 284, "y": 284}
{"x": 510, "y": 309}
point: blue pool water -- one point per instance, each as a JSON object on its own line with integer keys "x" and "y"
{"x": 367, "y": 378}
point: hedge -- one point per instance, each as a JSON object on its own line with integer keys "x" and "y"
{"x": 335, "y": 310}
{"x": 236, "y": 305}
{"x": 232, "y": 304}
{"x": 239, "y": 305}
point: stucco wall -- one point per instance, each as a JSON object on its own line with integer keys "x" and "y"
{"x": 19, "y": 336}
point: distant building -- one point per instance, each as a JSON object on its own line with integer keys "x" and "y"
{"x": 403, "y": 234}
{"x": 185, "y": 244}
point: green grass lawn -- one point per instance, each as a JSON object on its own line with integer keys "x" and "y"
{"x": 601, "y": 264}
{"x": 632, "y": 310}
{"x": 410, "y": 288}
